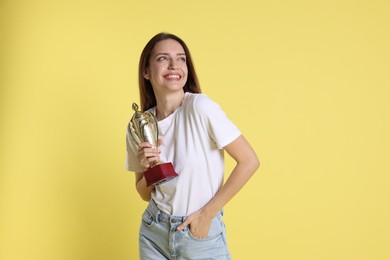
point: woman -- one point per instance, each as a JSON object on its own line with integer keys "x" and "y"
{"x": 184, "y": 216}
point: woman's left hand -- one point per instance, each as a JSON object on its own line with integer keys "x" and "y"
{"x": 199, "y": 224}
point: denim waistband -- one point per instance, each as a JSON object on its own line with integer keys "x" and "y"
{"x": 161, "y": 216}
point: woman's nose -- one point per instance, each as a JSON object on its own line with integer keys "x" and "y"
{"x": 172, "y": 64}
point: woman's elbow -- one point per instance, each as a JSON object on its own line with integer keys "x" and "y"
{"x": 146, "y": 198}
{"x": 144, "y": 194}
{"x": 256, "y": 163}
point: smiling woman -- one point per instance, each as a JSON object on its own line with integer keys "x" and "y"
{"x": 184, "y": 215}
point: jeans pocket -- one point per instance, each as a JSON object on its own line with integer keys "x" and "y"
{"x": 216, "y": 230}
{"x": 147, "y": 218}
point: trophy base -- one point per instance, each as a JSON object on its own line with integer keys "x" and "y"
{"x": 159, "y": 174}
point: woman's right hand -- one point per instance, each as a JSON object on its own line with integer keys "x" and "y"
{"x": 147, "y": 155}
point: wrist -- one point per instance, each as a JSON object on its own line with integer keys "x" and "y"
{"x": 209, "y": 211}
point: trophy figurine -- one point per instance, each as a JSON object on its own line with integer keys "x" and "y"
{"x": 143, "y": 128}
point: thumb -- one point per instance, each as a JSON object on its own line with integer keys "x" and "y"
{"x": 184, "y": 224}
{"x": 159, "y": 141}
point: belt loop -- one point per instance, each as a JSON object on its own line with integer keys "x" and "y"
{"x": 158, "y": 214}
{"x": 154, "y": 211}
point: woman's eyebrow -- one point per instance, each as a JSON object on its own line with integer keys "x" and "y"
{"x": 165, "y": 53}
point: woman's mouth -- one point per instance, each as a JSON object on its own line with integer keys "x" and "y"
{"x": 172, "y": 76}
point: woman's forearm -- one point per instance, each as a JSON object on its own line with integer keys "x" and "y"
{"x": 247, "y": 164}
{"x": 144, "y": 191}
{"x": 237, "y": 179}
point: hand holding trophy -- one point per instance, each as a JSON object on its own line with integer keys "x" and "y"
{"x": 143, "y": 128}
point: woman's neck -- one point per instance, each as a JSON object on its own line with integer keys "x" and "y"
{"x": 167, "y": 104}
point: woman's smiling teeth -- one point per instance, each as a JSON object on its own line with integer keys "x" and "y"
{"x": 172, "y": 76}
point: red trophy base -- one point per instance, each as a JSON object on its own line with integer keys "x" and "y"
{"x": 159, "y": 174}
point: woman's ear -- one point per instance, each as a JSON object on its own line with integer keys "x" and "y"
{"x": 146, "y": 75}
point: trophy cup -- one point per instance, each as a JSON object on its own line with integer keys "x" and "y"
{"x": 143, "y": 128}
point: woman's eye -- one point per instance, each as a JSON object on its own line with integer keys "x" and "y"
{"x": 182, "y": 59}
{"x": 161, "y": 58}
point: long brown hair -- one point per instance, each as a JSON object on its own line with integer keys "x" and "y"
{"x": 147, "y": 97}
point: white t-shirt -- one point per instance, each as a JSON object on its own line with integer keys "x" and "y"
{"x": 193, "y": 137}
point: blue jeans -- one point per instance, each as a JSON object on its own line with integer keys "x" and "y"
{"x": 159, "y": 239}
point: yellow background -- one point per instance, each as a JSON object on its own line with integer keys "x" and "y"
{"x": 307, "y": 82}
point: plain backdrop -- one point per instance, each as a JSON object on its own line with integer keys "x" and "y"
{"x": 307, "y": 83}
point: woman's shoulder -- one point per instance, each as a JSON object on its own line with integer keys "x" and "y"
{"x": 200, "y": 102}
{"x": 197, "y": 98}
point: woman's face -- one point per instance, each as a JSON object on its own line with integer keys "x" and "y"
{"x": 167, "y": 70}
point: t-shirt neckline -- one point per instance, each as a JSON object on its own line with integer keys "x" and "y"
{"x": 167, "y": 121}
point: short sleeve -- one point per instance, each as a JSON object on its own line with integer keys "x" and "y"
{"x": 220, "y": 128}
{"x": 132, "y": 163}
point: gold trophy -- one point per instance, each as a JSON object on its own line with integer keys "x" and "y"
{"x": 143, "y": 128}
